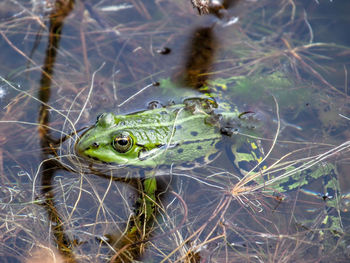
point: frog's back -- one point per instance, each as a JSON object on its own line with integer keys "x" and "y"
{"x": 170, "y": 135}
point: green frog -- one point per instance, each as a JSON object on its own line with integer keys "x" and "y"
{"x": 193, "y": 133}
{"x": 185, "y": 135}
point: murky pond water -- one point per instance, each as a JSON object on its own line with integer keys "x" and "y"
{"x": 278, "y": 187}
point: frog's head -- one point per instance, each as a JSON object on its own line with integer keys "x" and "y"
{"x": 109, "y": 141}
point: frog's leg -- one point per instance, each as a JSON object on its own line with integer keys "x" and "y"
{"x": 246, "y": 155}
{"x": 145, "y": 207}
{"x": 327, "y": 227}
{"x": 131, "y": 245}
{"x": 149, "y": 196}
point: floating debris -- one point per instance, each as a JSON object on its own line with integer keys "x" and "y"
{"x": 163, "y": 51}
{"x": 115, "y": 8}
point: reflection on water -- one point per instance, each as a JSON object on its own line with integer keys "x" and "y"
{"x": 272, "y": 49}
{"x": 200, "y": 58}
{"x": 203, "y": 44}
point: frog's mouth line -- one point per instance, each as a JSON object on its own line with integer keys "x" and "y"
{"x": 77, "y": 143}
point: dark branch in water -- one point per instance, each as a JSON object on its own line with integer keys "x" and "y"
{"x": 61, "y": 11}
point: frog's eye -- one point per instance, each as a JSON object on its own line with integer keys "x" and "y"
{"x": 122, "y": 143}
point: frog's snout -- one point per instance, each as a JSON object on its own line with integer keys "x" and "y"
{"x": 79, "y": 148}
{"x": 82, "y": 144}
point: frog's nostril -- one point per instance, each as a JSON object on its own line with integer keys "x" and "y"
{"x": 95, "y": 145}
